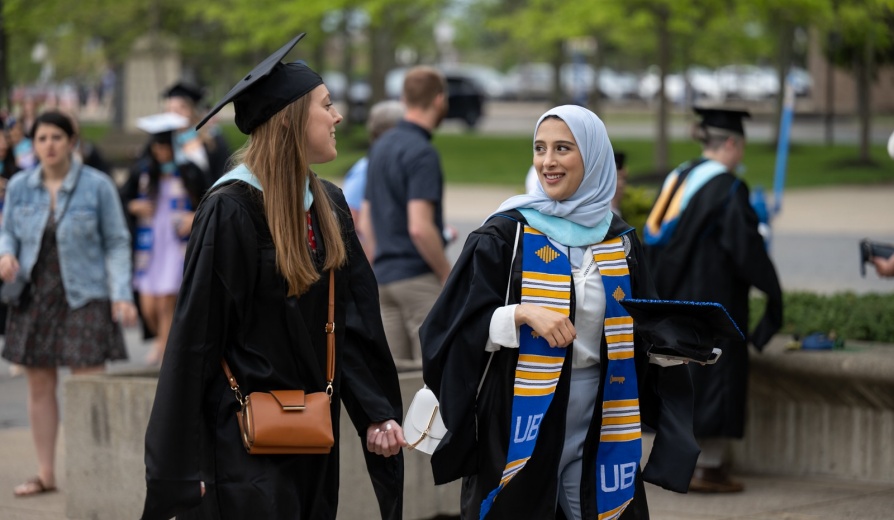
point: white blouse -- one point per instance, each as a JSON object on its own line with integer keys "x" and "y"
{"x": 589, "y": 314}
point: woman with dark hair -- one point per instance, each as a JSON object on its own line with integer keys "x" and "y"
{"x": 161, "y": 195}
{"x": 266, "y": 241}
{"x": 64, "y": 232}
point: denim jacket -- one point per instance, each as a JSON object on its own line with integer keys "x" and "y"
{"x": 91, "y": 233}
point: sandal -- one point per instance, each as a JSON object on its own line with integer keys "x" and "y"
{"x": 31, "y": 487}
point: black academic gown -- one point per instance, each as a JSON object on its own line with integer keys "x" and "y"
{"x": 453, "y": 338}
{"x": 716, "y": 254}
{"x": 233, "y": 304}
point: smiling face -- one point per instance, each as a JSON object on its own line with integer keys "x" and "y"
{"x": 559, "y": 164}
{"x": 52, "y": 146}
{"x": 321, "y": 120}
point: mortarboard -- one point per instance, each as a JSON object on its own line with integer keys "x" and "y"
{"x": 682, "y": 329}
{"x": 162, "y": 126}
{"x": 267, "y": 89}
{"x": 726, "y": 119}
{"x": 184, "y": 90}
{"x": 164, "y": 122}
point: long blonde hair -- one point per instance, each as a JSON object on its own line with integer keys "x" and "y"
{"x": 276, "y": 154}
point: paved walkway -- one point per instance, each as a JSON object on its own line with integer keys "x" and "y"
{"x": 837, "y": 217}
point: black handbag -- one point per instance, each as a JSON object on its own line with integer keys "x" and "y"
{"x": 13, "y": 293}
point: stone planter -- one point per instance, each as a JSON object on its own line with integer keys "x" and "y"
{"x": 105, "y": 418}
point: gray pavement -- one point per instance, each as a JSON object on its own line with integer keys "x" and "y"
{"x": 814, "y": 247}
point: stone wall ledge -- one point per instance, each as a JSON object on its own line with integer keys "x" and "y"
{"x": 820, "y": 413}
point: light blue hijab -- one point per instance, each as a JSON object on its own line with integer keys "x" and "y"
{"x": 582, "y": 219}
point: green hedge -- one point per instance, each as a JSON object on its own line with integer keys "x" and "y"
{"x": 867, "y": 317}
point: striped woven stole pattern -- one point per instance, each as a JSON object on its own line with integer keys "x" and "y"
{"x": 620, "y": 444}
{"x": 662, "y": 219}
{"x": 546, "y": 281}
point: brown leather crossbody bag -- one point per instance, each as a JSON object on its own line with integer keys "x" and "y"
{"x": 289, "y": 422}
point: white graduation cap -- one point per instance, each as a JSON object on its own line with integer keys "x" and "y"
{"x": 160, "y": 123}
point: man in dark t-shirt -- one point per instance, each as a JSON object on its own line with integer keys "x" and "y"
{"x": 402, "y": 215}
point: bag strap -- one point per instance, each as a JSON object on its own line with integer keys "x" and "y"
{"x": 330, "y": 349}
{"x": 506, "y": 301}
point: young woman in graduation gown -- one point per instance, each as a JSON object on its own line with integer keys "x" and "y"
{"x": 561, "y": 260}
{"x": 255, "y": 292}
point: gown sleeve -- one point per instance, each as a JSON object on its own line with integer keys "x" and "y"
{"x": 454, "y": 336}
{"x": 748, "y": 252}
{"x": 369, "y": 387}
{"x": 218, "y": 278}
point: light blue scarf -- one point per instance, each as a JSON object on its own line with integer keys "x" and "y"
{"x": 242, "y": 173}
{"x": 582, "y": 219}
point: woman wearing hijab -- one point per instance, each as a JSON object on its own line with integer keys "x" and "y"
{"x": 530, "y": 313}
{"x": 255, "y": 293}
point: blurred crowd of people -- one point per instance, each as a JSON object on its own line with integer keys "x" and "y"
{"x": 77, "y": 251}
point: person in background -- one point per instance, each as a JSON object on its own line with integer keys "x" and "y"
{"x": 22, "y": 146}
{"x": 884, "y": 266}
{"x": 383, "y": 116}
{"x": 63, "y": 231}
{"x": 541, "y": 379}
{"x": 402, "y": 216}
{"x": 621, "y": 166}
{"x": 265, "y": 241}
{"x": 205, "y": 148}
{"x": 161, "y": 196}
{"x": 8, "y": 168}
{"x": 703, "y": 244}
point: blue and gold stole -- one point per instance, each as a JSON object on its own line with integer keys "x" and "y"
{"x": 546, "y": 281}
{"x": 678, "y": 189}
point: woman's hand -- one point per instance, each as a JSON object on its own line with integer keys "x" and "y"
{"x": 555, "y": 328}
{"x": 125, "y": 313}
{"x": 884, "y": 266}
{"x": 9, "y": 268}
{"x": 385, "y": 438}
{"x": 141, "y": 208}
{"x": 184, "y": 224}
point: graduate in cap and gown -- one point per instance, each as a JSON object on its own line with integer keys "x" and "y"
{"x": 541, "y": 379}
{"x": 702, "y": 244}
{"x": 206, "y": 147}
{"x": 255, "y": 292}
{"x": 160, "y": 197}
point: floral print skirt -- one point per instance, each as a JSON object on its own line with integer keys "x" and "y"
{"x": 43, "y": 331}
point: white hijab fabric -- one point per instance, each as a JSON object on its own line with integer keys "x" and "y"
{"x": 591, "y": 203}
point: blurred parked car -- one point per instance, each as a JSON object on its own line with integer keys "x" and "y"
{"x": 748, "y": 82}
{"x": 535, "y": 81}
{"x": 703, "y": 84}
{"x": 800, "y": 80}
{"x": 532, "y": 80}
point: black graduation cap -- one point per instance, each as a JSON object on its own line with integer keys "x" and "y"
{"x": 682, "y": 329}
{"x": 726, "y": 119}
{"x": 184, "y": 90}
{"x": 620, "y": 159}
{"x": 267, "y": 89}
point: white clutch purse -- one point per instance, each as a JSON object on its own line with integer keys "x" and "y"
{"x": 423, "y": 426}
